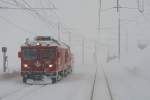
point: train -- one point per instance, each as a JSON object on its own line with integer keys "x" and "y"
{"x": 45, "y": 59}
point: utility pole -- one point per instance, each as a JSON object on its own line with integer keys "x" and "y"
{"x": 119, "y": 38}
{"x": 99, "y": 33}
{"x": 4, "y": 50}
{"x": 118, "y": 9}
{"x": 119, "y": 29}
{"x": 83, "y": 45}
{"x": 140, "y": 4}
{"x": 99, "y": 17}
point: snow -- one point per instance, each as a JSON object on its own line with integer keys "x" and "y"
{"x": 124, "y": 79}
{"x": 129, "y": 78}
{"x": 101, "y": 89}
{"x": 77, "y": 86}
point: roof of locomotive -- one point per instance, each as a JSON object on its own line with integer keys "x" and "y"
{"x": 44, "y": 41}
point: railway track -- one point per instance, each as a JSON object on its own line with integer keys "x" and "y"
{"x": 93, "y": 85}
{"x": 107, "y": 84}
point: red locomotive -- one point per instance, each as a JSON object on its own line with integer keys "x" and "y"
{"x": 45, "y": 58}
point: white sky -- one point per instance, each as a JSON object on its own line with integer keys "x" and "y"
{"x": 80, "y": 15}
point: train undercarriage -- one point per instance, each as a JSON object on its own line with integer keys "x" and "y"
{"x": 45, "y": 78}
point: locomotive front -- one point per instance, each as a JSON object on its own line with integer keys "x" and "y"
{"x": 38, "y": 60}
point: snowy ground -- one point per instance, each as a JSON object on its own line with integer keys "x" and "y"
{"x": 77, "y": 86}
{"x": 129, "y": 79}
{"x": 124, "y": 80}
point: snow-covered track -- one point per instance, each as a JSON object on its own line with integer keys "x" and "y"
{"x": 107, "y": 83}
{"x": 93, "y": 86}
{"x": 101, "y": 89}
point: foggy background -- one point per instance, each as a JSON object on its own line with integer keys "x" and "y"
{"x": 77, "y": 20}
{"x": 108, "y": 38}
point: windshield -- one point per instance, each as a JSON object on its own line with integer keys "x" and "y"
{"x": 47, "y": 53}
{"x": 30, "y": 54}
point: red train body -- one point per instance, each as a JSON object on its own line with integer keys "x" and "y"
{"x": 45, "y": 57}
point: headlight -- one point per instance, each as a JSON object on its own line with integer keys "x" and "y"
{"x": 50, "y": 65}
{"x": 37, "y": 43}
{"x": 25, "y": 65}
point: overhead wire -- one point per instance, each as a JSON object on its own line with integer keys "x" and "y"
{"x": 13, "y": 24}
{"x": 7, "y": 2}
{"x": 24, "y": 5}
{"x": 41, "y": 17}
{"x": 35, "y": 10}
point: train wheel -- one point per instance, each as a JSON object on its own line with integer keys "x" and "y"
{"x": 24, "y": 79}
{"x": 62, "y": 74}
{"x": 54, "y": 80}
{"x": 65, "y": 73}
{"x": 70, "y": 69}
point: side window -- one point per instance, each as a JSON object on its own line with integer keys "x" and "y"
{"x": 61, "y": 57}
{"x": 29, "y": 54}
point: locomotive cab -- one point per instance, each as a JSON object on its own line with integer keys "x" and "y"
{"x": 37, "y": 62}
{"x": 40, "y": 60}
